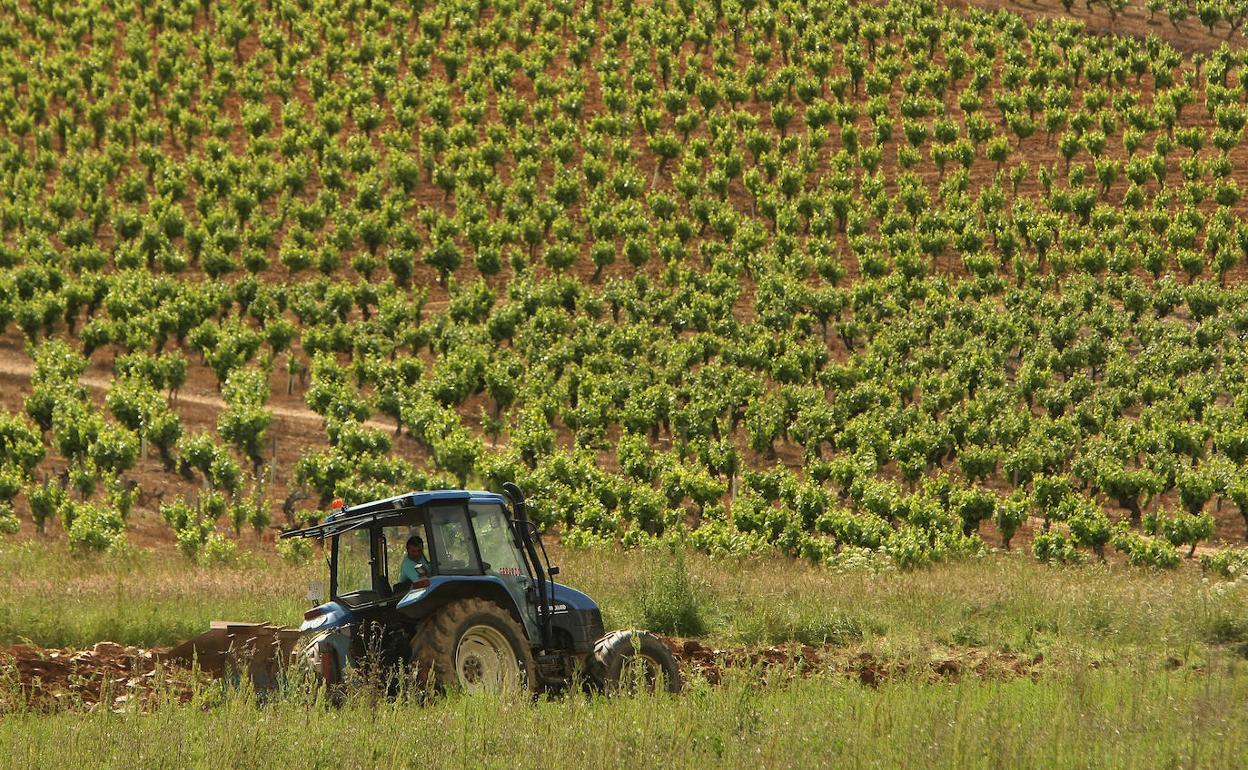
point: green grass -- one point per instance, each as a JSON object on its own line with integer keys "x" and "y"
{"x": 1003, "y": 602}
{"x": 1097, "y": 719}
{"x": 1140, "y": 670}
{"x": 141, "y": 597}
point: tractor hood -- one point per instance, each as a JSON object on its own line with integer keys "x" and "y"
{"x": 564, "y": 599}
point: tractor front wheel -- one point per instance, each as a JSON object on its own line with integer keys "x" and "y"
{"x": 474, "y": 645}
{"x": 627, "y": 661}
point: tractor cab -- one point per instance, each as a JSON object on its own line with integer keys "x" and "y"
{"x": 488, "y": 584}
{"x": 465, "y": 536}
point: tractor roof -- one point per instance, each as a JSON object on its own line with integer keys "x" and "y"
{"x": 350, "y": 517}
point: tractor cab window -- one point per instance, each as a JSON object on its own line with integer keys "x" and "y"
{"x": 452, "y": 551}
{"x": 396, "y": 548}
{"x": 499, "y": 549}
{"x": 355, "y": 563}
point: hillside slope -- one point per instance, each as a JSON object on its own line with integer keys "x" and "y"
{"x": 808, "y": 275}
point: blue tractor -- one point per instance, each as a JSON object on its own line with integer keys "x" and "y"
{"x": 483, "y": 613}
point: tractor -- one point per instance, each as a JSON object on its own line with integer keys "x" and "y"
{"x": 484, "y": 613}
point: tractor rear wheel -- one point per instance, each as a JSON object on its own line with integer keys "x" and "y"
{"x": 474, "y": 645}
{"x": 627, "y": 661}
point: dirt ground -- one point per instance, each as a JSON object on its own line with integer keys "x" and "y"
{"x": 109, "y": 675}
{"x": 1187, "y": 36}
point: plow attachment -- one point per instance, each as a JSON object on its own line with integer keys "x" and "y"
{"x": 258, "y": 651}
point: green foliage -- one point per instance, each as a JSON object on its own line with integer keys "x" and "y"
{"x": 194, "y": 526}
{"x": 219, "y": 551}
{"x": 1090, "y": 527}
{"x": 973, "y": 505}
{"x": 21, "y": 446}
{"x": 668, "y": 600}
{"x": 244, "y": 421}
{"x": 1180, "y": 528}
{"x": 836, "y": 252}
{"x": 115, "y": 450}
{"x": 1055, "y": 548}
{"x": 1195, "y": 489}
{"x": 9, "y": 523}
{"x": 94, "y": 528}
{"x": 295, "y": 550}
{"x": 1228, "y": 562}
{"x": 45, "y": 501}
{"x": 911, "y": 547}
{"x": 1142, "y": 551}
{"x": 1011, "y": 513}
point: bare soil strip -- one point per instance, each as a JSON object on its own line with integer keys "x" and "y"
{"x": 22, "y": 369}
{"x": 110, "y": 675}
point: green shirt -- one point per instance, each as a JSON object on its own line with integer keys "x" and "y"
{"x": 414, "y": 570}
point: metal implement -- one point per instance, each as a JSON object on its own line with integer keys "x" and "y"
{"x": 233, "y": 650}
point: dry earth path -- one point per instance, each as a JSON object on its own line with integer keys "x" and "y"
{"x": 20, "y": 369}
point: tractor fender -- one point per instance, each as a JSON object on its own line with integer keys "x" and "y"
{"x": 326, "y": 616}
{"x": 444, "y": 589}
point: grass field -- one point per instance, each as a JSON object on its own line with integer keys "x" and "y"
{"x": 1112, "y": 719}
{"x": 1004, "y": 602}
{"x": 1133, "y": 669}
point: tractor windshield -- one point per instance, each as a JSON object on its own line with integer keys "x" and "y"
{"x": 453, "y": 549}
{"x": 499, "y": 549}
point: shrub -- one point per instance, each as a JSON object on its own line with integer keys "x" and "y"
{"x": 45, "y": 500}
{"x": 645, "y": 507}
{"x": 1048, "y": 493}
{"x": 972, "y": 505}
{"x": 218, "y": 550}
{"x": 10, "y": 483}
{"x": 1011, "y": 514}
{"x": 20, "y": 443}
{"x": 9, "y": 523}
{"x": 192, "y": 537}
{"x": 177, "y": 514}
{"x": 122, "y": 496}
{"x": 295, "y": 551}
{"x": 1144, "y": 551}
{"x": 1090, "y": 527}
{"x": 115, "y": 451}
{"x": 913, "y": 546}
{"x": 193, "y": 526}
{"x": 668, "y": 603}
{"x": 1195, "y": 488}
{"x": 1229, "y": 562}
{"x": 94, "y": 528}
{"x": 578, "y": 539}
{"x": 1055, "y": 548}
{"x": 253, "y": 511}
{"x": 1180, "y": 528}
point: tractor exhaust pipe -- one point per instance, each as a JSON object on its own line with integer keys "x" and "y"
{"x": 513, "y": 493}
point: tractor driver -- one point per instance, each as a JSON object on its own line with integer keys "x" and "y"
{"x": 415, "y": 566}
